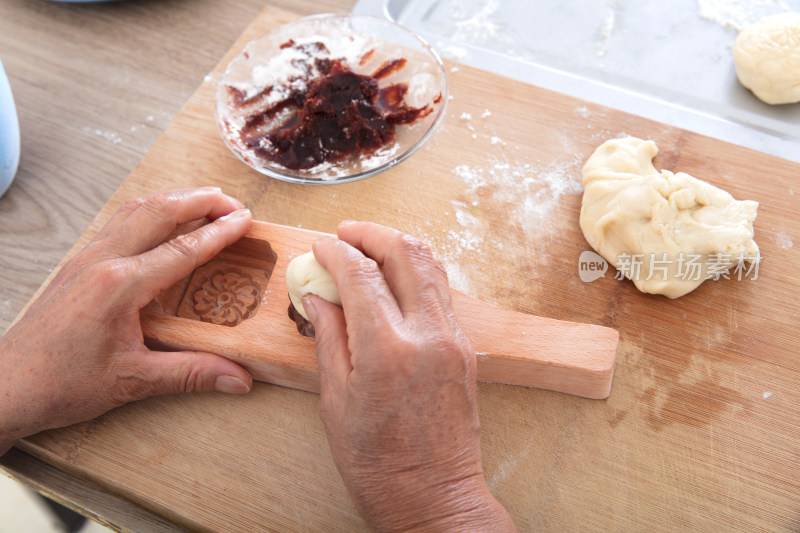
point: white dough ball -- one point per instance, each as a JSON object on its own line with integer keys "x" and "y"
{"x": 767, "y": 58}
{"x": 305, "y": 275}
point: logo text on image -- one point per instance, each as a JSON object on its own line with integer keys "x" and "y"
{"x": 591, "y": 266}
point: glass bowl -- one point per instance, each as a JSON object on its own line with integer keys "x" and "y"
{"x": 263, "y": 90}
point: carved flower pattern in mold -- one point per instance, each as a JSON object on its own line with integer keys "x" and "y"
{"x": 227, "y": 298}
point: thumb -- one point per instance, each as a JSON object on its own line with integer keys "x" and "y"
{"x": 172, "y": 372}
{"x": 330, "y": 335}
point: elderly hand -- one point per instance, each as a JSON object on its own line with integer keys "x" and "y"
{"x": 398, "y": 386}
{"x": 78, "y": 351}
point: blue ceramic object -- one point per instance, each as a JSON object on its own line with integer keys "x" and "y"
{"x": 9, "y": 134}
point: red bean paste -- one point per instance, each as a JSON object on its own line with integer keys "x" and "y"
{"x": 304, "y": 327}
{"x": 337, "y": 114}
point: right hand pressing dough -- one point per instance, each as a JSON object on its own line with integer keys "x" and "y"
{"x": 629, "y": 208}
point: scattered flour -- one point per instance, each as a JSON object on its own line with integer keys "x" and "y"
{"x": 456, "y": 53}
{"x": 523, "y": 188}
{"x": 583, "y": 111}
{"x": 784, "y": 241}
{"x": 481, "y": 26}
{"x": 767, "y": 395}
{"x": 497, "y": 140}
{"x": 110, "y": 136}
{"x": 606, "y": 30}
{"x": 456, "y": 277}
{"x": 486, "y": 114}
{"x": 474, "y": 22}
{"x": 467, "y": 117}
{"x": 527, "y": 194}
{"x": 509, "y": 465}
{"x": 738, "y": 14}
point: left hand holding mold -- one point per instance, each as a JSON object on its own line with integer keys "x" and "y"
{"x": 79, "y": 351}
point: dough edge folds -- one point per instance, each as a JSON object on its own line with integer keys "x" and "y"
{"x": 629, "y": 207}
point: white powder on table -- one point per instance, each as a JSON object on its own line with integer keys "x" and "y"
{"x": 738, "y": 14}
{"x": 784, "y": 241}
{"x": 606, "y": 30}
{"x": 481, "y": 26}
{"x": 526, "y": 195}
{"x": 110, "y": 136}
{"x": 522, "y": 190}
{"x": 583, "y": 111}
{"x": 456, "y": 53}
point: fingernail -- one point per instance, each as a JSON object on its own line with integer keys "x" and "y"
{"x": 346, "y": 222}
{"x": 310, "y": 308}
{"x": 231, "y": 385}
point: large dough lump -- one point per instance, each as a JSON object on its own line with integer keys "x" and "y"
{"x": 305, "y": 275}
{"x": 767, "y": 58}
{"x": 632, "y": 211}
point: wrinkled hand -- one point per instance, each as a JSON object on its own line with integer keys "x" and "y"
{"x": 79, "y": 352}
{"x": 398, "y": 396}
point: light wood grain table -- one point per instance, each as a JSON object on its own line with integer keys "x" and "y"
{"x": 95, "y": 85}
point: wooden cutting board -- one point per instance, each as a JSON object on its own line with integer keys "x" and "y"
{"x": 700, "y": 431}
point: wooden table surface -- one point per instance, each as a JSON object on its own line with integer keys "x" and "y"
{"x": 700, "y": 431}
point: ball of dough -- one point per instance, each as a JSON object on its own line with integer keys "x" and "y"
{"x": 305, "y": 275}
{"x": 631, "y": 210}
{"x": 767, "y": 58}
